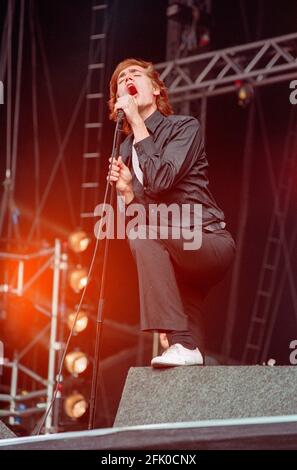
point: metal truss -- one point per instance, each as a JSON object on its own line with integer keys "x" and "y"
{"x": 219, "y": 72}
{"x": 215, "y": 73}
{"x": 94, "y": 114}
{"x": 267, "y": 298}
{"x": 53, "y": 260}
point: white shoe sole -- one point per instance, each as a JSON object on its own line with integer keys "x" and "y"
{"x": 160, "y": 365}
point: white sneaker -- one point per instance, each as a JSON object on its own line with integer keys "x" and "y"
{"x": 178, "y": 355}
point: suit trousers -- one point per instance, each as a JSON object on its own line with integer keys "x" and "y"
{"x": 173, "y": 282}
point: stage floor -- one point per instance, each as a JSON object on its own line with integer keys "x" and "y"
{"x": 271, "y": 433}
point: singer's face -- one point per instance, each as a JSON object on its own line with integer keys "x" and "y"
{"x": 135, "y": 79}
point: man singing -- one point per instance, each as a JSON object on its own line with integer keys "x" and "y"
{"x": 162, "y": 162}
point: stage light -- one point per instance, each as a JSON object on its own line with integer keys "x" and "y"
{"x": 204, "y": 39}
{"x": 245, "y": 93}
{"x": 76, "y": 362}
{"x": 75, "y": 405}
{"x": 78, "y": 241}
{"x": 81, "y": 321}
{"x": 78, "y": 278}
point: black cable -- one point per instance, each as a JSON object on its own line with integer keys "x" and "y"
{"x": 99, "y": 320}
{"x": 39, "y": 425}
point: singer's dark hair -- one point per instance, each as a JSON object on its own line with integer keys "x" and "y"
{"x": 162, "y": 101}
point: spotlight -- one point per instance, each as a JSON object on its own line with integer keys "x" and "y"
{"x": 78, "y": 278}
{"x": 81, "y": 321}
{"x": 245, "y": 93}
{"x": 76, "y": 362}
{"x": 75, "y": 405}
{"x": 78, "y": 241}
{"x": 204, "y": 39}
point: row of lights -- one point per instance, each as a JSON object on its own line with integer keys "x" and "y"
{"x": 76, "y": 362}
{"x": 75, "y": 404}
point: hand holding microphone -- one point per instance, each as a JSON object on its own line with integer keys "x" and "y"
{"x": 126, "y": 105}
{"x": 121, "y": 175}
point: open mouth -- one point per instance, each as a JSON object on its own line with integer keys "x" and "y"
{"x": 132, "y": 89}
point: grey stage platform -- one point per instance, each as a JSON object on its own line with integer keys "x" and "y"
{"x": 218, "y": 407}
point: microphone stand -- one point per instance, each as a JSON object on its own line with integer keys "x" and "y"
{"x": 99, "y": 320}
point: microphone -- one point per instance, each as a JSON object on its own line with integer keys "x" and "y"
{"x": 132, "y": 91}
{"x": 120, "y": 114}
